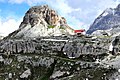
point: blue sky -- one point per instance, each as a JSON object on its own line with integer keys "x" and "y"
{"x": 79, "y": 13}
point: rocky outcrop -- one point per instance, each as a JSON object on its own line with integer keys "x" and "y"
{"x": 110, "y": 18}
{"x": 50, "y": 16}
{"x": 42, "y": 21}
{"x": 70, "y": 46}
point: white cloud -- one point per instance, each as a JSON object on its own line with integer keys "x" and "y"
{"x": 8, "y": 26}
{"x": 16, "y": 1}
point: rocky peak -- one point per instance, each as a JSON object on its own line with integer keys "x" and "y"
{"x": 42, "y": 21}
{"x": 118, "y": 7}
{"x": 36, "y": 13}
{"x": 107, "y": 20}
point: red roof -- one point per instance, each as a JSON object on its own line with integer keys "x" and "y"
{"x": 79, "y": 31}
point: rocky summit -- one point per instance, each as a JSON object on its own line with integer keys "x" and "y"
{"x": 36, "y": 52}
{"x": 42, "y": 21}
{"x": 108, "y": 20}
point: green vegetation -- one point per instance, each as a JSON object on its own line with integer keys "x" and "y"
{"x": 51, "y": 26}
{"x": 61, "y": 27}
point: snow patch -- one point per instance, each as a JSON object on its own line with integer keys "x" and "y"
{"x": 71, "y": 57}
{"x": 10, "y": 75}
{"x": 65, "y": 53}
{"x": 97, "y": 61}
{"x": 86, "y": 79}
{"x": 111, "y": 47}
{"x": 108, "y": 11}
{"x": 116, "y": 79}
{"x": 54, "y": 40}
{"x": 118, "y": 70}
{"x": 105, "y": 14}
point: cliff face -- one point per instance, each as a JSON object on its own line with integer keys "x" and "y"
{"x": 109, "y": 19}
{"x": 70, "y": 46}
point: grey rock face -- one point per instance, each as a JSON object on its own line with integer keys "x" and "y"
{"x": 74, "y": 49}
{"x": 38, "y": 12}
{"x": 108, "y": 19}
{"x": 115, "y": 44}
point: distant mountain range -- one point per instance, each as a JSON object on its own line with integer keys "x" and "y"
{"x": 109, "y": 19}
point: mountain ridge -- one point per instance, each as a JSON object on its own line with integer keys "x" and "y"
{"x": 108, "y": 19}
